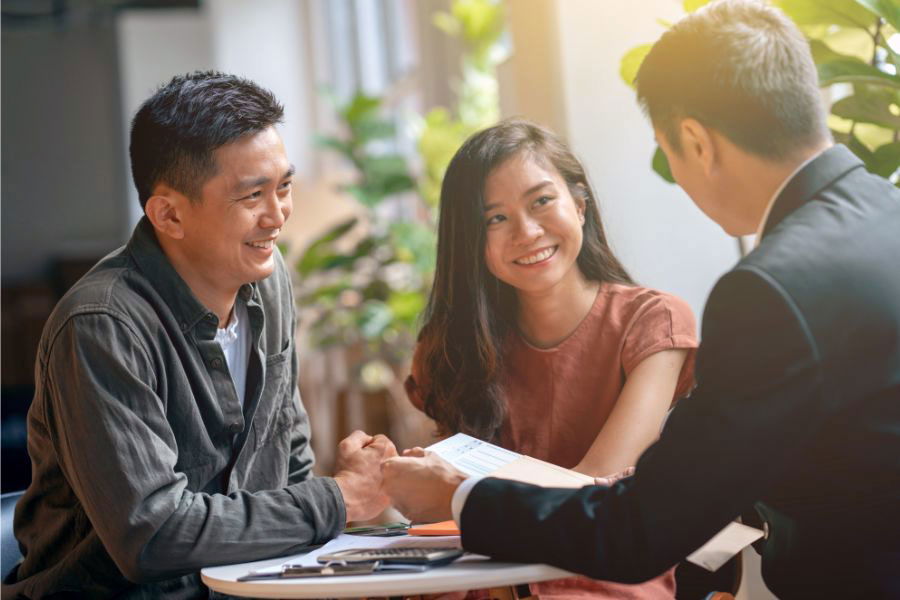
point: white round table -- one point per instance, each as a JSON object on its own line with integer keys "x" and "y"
{"x": 461, "y": 575}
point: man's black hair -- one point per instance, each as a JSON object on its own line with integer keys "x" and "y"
{"x": 174, "y": 133}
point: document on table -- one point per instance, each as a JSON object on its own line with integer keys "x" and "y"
{"x": 477, "y": 458}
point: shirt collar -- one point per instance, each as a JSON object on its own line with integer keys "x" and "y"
{"x": 227, "y": 335}
{"x": 144, "y": 248}
{"x": 771, "y": 203}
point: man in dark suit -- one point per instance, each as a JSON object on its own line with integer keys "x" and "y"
{"x": 797, "y": 409}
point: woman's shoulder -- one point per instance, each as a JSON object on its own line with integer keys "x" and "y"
{"x": 631, "y": 301}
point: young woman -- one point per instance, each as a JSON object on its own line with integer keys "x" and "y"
{"x": 535, "y": 337}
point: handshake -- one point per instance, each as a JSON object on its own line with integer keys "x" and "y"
{"x": 372, "y": 476}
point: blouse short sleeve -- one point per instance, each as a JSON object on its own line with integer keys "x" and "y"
{"x": 662, "y": 322}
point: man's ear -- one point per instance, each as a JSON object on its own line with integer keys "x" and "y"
{"x": 698, "y": 144}
{"x": 164, "y": 210}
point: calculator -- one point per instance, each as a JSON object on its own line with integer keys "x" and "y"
{"x": 409, "y": 555}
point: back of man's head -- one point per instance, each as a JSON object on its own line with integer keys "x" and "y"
{"x": 174, "y": 133}
{"x": 742, "y": 68}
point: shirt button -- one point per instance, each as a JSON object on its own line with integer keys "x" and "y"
{"x": 235, "y": 427}
{"x": 216, "y": 363}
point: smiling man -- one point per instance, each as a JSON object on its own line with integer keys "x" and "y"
{"x": 167, "y": 432}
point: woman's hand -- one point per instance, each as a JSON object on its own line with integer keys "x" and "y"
{"x": 610, "y": 480}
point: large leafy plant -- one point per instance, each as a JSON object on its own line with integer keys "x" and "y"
{"x": 364, "y": 281}
{"x": 851, "y": 45}
{"x": 479, "y": 25}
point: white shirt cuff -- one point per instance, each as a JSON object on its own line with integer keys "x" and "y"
{"x": 459, "y": 498}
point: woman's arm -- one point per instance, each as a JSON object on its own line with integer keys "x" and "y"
{"x": 637, "y": 416}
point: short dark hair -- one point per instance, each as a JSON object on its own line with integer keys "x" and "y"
{"x": 174, "y": 133}
{"x": 742, "y": 68}
{"x": 470, "y": 311}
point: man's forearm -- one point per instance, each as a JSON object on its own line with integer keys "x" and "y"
{"x": 216, "y": 529}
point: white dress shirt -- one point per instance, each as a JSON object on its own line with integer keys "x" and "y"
{"x": 235, "y": 342}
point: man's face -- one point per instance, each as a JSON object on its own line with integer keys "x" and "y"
{"x": 229, "y": 235}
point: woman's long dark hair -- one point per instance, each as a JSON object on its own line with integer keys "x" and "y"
{"x": 470, "y": 311}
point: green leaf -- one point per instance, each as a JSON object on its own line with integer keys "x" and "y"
{"x": 332, "y": 143}
{"x": 407, "y": 306}
{"x": 446, "y": 23}
{"x": 318, "y": 255}
{"x": 631, "y": 62}
{"x": 889, "y": 10}
{"x": 692, "y": 5}
{"x": 885, "y": 160}
{"x": 360, "y": 107}
{"x": 827, "y": 12}
{"x": 661, "y": 165}
{"x": 384, "y": 176}
{"x": 822, "y": 52}
{"x": 369, "y": 129}
{"x": 869, "y": 105}
{"x": 373, "y": 318}
{"x": 851, "y": 70}
{"x": 855, "y": 146}
{"x": 841, "y": 42}
{"x": 416, "y": 244}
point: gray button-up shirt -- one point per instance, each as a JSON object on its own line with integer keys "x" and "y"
{"x": 145, "y": 466}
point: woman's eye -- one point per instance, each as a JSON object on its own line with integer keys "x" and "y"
{"x": 495, "y": 219}
{"x": 286, "y": 185}
{"x": 543, "y": 200}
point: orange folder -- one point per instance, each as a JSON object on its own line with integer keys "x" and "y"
{"x": 442, "y": 528}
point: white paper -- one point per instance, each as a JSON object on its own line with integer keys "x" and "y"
{"x": 725, "y": 544}
{"x": 473, "y": 456}
{"x": 477, "y": 458}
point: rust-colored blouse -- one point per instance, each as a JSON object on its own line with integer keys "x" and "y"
{"x": 559, "y": 398}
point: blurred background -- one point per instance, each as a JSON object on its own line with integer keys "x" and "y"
{"x": 378, "y": 95}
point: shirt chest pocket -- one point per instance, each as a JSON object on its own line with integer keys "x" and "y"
{"x": 276, "y": 412}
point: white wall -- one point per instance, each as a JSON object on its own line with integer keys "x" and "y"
{"x": 257, "y": 39}
{"x": 154, "y": 46}
{"x": 60, "y": 152}
{"x": 664, "y": 240}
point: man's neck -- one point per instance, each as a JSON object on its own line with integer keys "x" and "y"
{"x": 208, "y": 290}
{"x": 764, "y": 180}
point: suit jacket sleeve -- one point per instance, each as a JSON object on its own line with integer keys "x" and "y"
{"x": 759, "y": 393}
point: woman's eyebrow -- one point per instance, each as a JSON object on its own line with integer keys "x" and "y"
{"x": 526, "y": 193}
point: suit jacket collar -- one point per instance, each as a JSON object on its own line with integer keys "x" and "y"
{"x": 821, "y": 172}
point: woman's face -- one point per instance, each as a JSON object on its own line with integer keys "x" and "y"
{"x": 534, "y": 225}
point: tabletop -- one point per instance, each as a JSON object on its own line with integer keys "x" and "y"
{"x": 461, "y": 575}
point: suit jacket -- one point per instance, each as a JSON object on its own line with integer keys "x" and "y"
{"x": 797, "y": 411}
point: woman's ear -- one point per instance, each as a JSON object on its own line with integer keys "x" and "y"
{"x": 581, "y": 198}
{"x": 163, "y": 210}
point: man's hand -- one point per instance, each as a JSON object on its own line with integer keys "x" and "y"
{"x": 358, "y": 473}
{"x": 421, "y": 485}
